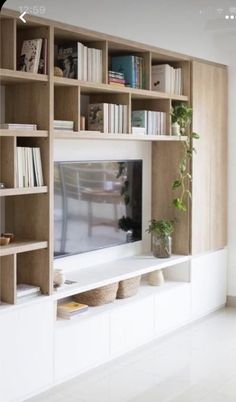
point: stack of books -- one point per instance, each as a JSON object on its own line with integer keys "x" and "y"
{"x": 167, "y": 79}
{"x": 133, "y": 69}
{"x": 33, "y": 56}
{"x": 66, "y": 125}
{"x": 25, "y": 292}
{"x": 108, "y": 118}
{"x": 70, "y": 309}
{"x": 148, "y": 122}
{"x": 18, "y": 126}
{"x": 116, "y": 79}
{"x": 79, "y": 61}
{"x": 28, "y": 167}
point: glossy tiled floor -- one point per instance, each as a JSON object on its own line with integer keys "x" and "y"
{"x": 196, "y": 364}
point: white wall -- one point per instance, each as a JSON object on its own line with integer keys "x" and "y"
{"x": 194, "y": 27}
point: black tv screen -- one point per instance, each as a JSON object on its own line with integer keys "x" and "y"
{"x": 97, "y": 204}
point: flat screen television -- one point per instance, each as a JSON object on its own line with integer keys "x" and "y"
{"x": 97, "y": 204}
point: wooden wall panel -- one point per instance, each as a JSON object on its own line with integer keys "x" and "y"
{"x": 209, "y": 168}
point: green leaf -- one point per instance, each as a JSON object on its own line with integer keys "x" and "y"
{"x": 176, "y": 184}
{"x": 195, "y": 136}
{"x": 179, "y": 204}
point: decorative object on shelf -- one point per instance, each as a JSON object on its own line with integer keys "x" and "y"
{"x": 82, "y": 123}
{"x": 156, "y": 278}
{"x": 161, "y": 231}
{"x": 128, "y": 287}
{"x": 59, "y": 277}
{"x": 9, "y": 236}
{"x": 58, "y": 72}
{"x": 4, "y": 241}
{"x": 175, "y": 128}
{"x": 2, "y": 185}
{"x": 182, "y": 115}
{"x": 97, "y": 297}
{"x": 128, "y": 225}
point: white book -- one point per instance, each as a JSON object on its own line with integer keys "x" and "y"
{"x": 80, "y": 60}
{"x": 116, "y": 119}
{"x": 25, "y": 153}
{"x": 125, "y": 120}
{"x": 39, "y": 166}
{"x": 138, "y": 130}
{"x": 120, "y": 118}
{"x": 89, "y": 78}
{"x": 19, "y": 167}
{"x": 85, "y": 67}
{"x": 30, "y": 55}
{"x": 105, "y": 114}
{"x": 94, "y": 64}
{"x": 14, "y": 126}
{"x": 162, "y": 78}
{"x": 23, "y": 289}
{"x": 35, "y": 167}
{"x": 110, "y": 118}
{"x": 99, "y": 69}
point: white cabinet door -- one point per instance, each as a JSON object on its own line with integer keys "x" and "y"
{"x": 208, "y": 277}
{"x": 172, "y": 307}
{"x": 131, "y": 325}
{"x": 26, "y": 350}
{"x": 80, "y": 344}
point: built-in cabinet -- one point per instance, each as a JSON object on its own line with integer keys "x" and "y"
{"x": 38, "y": 350}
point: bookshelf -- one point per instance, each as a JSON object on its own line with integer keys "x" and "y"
{"x": 42, "y": 98}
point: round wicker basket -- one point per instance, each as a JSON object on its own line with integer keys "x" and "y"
{"x": 128, "y": 287}
{"x": 97, "y": 297}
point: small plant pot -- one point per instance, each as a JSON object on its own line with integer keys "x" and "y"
{"x": 161, "y": 246}
{"x": 156, "y": 278}
{"x": 175, "y": 129}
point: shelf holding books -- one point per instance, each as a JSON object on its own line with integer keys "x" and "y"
{"x": 66, "y": 107}
{"x": 79, "y": 57}
{"x": 32, "y": 49}
{"x": 151, "y": 116}
{"x": 106, "y": 113}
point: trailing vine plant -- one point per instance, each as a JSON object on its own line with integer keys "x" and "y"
{"x": 182, "y": 114}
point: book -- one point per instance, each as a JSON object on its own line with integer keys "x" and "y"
{"x": 71, "y": 309}
{"x": 43, "y": 60}
{"x": 167, "y": 79}
{"x": 30, "y": 55}
{"x": 98, "y": 117}
{"x": 67, "y": 58}
{"x": 23, "y": 289}
{"x": 18, "y": 126}
{"x": 28, "y": 167}
{"x": 125, "y": 65}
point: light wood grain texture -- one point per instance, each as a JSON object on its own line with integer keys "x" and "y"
{"x": 23, "y": 190}
{"x": 32, "y": 268}
{"x": 23, "y": 133}
{"x": 209, "y": 204}
{"x": 8, "y": 279}
{"x": 165, "y": 159}
{"x": 11, "y": 77}
{"x": 8, "y": 44}
{"x": 66, "y": 104}
{"x": 28, "y": 104}
{"x": 7, "y": 161}
{"x": 22, "y": 246}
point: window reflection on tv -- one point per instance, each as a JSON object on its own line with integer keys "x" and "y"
{"x": 96, "y": 205}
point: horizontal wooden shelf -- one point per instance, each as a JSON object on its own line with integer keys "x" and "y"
{"x": 103, "y": 274}
{"x": 23, "y": 133}
{"x": 144, "y": 291}
{"x": 91, "y": 87}
{"x": 96, "y": 135}
{"x": 4, "y": 192}
{"x": 22, "y": 246}
{"x": 12, "y": 76}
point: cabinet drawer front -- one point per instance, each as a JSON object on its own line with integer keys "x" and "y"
{"x": 80, "y": 344}
{"x": 131, "y": 326}
{"x": 172, "y": 308}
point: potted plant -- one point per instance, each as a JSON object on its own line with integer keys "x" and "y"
{"x": 181, "y": 117}
{"x": 161, "y": 231}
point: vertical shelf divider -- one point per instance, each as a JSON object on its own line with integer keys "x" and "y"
{"x": 8, "y": 279}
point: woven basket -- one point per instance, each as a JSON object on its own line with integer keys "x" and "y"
{"x": 97, "y": 297}
{"x": 128, "y": 287}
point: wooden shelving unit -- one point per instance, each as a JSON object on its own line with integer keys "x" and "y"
{"x": 39, "y": 99}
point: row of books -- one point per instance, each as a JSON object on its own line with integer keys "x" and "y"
{"x": 67, "y": 125}
{"x": 79, "y": 61}
{"x": 34, "y": 56}
{"x": 18, "y": 126}
{"x": 167, "y": 79}
{"x": 133, "y": 69}
{"x": 28, "y": 167}
{"x": 152, "y": 123}
{"x": 25, "y": 292}
{"x": 108, "y": 118}
{"x": 70, "y": 309}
